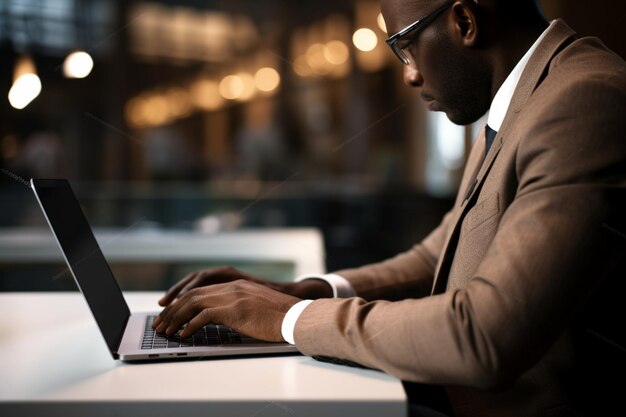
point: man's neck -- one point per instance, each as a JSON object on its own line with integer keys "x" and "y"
{"x": 509, "y": 52}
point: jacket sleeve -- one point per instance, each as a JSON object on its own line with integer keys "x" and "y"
{"x": 556, "y": 241}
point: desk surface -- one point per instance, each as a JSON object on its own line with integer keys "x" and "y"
{"x": 55, "y": 362}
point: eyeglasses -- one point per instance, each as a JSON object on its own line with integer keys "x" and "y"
{"x": 398, "y": 49}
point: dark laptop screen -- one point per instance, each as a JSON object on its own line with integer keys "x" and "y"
{"x": 83, "y": 255}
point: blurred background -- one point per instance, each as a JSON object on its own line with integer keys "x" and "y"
{"x": 208, "y": 118}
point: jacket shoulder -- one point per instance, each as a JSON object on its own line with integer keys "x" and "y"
{"x": 572, "y": 128}
{"x": 583, "y": 78}
{"x": 587, "y": 59}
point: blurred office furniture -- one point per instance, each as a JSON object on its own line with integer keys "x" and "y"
{"x": 155, "y": 259}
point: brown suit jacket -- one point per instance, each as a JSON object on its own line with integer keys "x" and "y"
{"x": 497, "y": 303}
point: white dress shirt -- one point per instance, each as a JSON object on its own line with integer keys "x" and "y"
{"x": 340, "y": 286}
{"x": 502, "y": 99}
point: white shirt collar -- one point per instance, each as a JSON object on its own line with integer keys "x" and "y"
{"x": 502, "y": 99}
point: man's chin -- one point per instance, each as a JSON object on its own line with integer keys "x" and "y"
{"x": 461, "y": 119}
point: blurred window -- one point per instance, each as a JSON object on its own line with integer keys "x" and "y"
{"x": 446, "y": 154}
{"x": 55, "y": 26}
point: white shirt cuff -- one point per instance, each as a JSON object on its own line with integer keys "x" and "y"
{"x": 341, "y": 286}
{"x": 289, "y": 322}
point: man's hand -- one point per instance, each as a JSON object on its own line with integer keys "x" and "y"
{"x": 250, "y": 308}
{"x": 213, "y": 276}
{"x": 306, "y": 289}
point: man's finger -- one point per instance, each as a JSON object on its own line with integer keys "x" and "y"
{"x": 199, "y": 321}
{"x": 179, "y": 313}
{"x": 190, "y": 286}
{"x": 163, "y": 319}
{"x": 178, "y": 320}
{"x": 173, "y": 292}
{"x": 175, "y": 289}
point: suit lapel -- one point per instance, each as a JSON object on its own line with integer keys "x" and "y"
{"x": 531, "y": 77}
{"x": 465, "y": 205}
{"x": 467, "y": 183}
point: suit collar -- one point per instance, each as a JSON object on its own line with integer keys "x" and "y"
{"x": 502, "y": 99}
{"x": 557, "y": 34}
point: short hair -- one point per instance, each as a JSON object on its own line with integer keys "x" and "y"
{"x": 514, "y": 10}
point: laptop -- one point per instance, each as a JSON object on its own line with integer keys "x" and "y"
{"x": 129, "y": 336}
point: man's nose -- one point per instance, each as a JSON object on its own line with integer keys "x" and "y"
{"x": 412, "y": 76}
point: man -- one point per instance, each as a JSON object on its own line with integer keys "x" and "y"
{"x": 499, "y": 303}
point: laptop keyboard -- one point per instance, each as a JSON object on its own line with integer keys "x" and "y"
{"x": 209, "y": 335}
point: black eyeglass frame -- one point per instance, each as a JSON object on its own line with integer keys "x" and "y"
{"x": 419, "y": 24}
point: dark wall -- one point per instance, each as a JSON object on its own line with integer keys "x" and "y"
{"x": 601, "y": 18}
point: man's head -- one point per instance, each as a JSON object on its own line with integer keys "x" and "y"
{"x": 455, "y": 56}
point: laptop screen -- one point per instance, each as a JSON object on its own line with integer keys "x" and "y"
{"x": 84, "y": 258}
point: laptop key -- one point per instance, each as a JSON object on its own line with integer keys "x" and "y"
{"x": 199, "y": 340}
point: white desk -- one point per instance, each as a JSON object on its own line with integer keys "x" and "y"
{"x": 54, "y": 362}
{"x": 304, "y": 247}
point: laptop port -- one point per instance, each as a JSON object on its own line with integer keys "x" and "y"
{"x": 181, "y": 354}
{"x": 153, "y": 356}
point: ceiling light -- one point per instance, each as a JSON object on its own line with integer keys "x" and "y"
{"x": 77, "y": 65}
{"x": 365, "y": 39}
{"x": 380, "y": 20}
{"x": 26, "y": 84}
{"x": 267, "y": 79}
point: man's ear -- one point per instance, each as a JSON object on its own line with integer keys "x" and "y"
{"x": 465, "y": 24}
